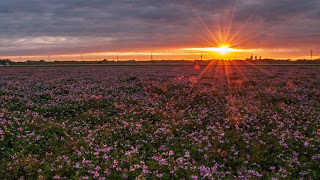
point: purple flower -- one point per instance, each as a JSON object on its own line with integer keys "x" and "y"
{"x": 159, "y": 175}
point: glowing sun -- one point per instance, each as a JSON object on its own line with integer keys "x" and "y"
{"x": 223, "y": 49}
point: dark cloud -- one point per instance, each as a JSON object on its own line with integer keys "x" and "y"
{"x": 278, "y": 10}
{"x": 59, "y": 26}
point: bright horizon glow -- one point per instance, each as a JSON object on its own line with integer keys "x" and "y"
{"x": 223, "y": 49}
{"x": 174, "y": 54}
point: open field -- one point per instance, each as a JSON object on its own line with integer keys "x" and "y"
{"x": 222, "y": 122}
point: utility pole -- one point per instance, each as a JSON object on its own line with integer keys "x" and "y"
{"x": 311, "y": 53}
{"x": 201, "y": 56}
{"x": 151, "y": 57}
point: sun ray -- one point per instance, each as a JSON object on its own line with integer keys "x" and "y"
{"x": 205, "y": 26}
{"x": 226, "y": 68}
{"x": 219, "y": 31}
{"x": 232, "y": 109}
{"x": 204, "y": 71}
{"x": 238, "y": 31}
{"x": 219, "y": 65}
{"x": 239, "y": 70}
{"x": 206, "y": 40}
{"x": 270, "y": 74}
{"x": 230, "y": 24}
{"x": 235, "y": 43}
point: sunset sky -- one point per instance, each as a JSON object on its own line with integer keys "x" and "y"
{"x": 170, "y": 29}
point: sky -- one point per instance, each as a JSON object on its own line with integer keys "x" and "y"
{"x": 169, "y": 29}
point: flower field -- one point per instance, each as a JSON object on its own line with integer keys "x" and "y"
{"x": 219, "y": 122}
